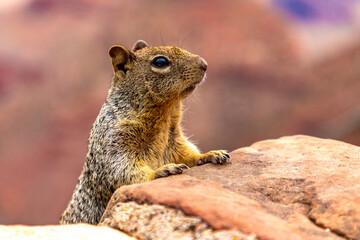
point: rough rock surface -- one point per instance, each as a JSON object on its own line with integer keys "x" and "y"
{"x": 160, "y": 222}
{"x": 296, "y": 187}
{"x": 318, "y": 178}
{"x": 74, "y": 231}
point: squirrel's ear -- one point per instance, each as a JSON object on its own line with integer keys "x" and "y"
{"x": 120, "y": 56}
{"x": 139, "y": 45}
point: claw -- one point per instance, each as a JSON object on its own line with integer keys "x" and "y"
{"x": 184, "y": 166}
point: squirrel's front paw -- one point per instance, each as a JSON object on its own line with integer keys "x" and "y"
{"x": 170, "y": 169}
{"x": 215, "y": 157}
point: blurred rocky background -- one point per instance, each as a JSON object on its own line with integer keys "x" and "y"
{"x": 276, "y": 67}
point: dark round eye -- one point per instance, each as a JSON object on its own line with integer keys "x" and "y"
{"x": 160, "y": 62}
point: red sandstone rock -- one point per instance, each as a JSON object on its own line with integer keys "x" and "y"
{"x": 220, "y": 208}
{"x": 318, "y": 178}
{"x": 153, "y": 221}
{"x": 290, "y": 188}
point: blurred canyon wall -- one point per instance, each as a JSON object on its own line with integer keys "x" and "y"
{"x": 276, "y": 67}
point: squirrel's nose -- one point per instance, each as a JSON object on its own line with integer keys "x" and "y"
{"x": 202, "y": 63}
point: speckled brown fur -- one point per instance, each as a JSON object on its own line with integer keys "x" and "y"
{"x": 137, "y": 135}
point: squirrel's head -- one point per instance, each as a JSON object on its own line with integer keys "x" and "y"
{"x": 167, "y": 73}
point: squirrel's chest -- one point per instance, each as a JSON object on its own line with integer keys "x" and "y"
{"x": 145, "y": 140}
{"x": 160, "y": 148}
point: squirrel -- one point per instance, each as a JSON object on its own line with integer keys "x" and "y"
{"x": 137, "y": 135}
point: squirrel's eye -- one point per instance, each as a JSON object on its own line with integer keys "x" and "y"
{"x": 160, "y": 62}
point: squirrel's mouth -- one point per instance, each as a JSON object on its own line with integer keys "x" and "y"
{"x": 192, "y": 87}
